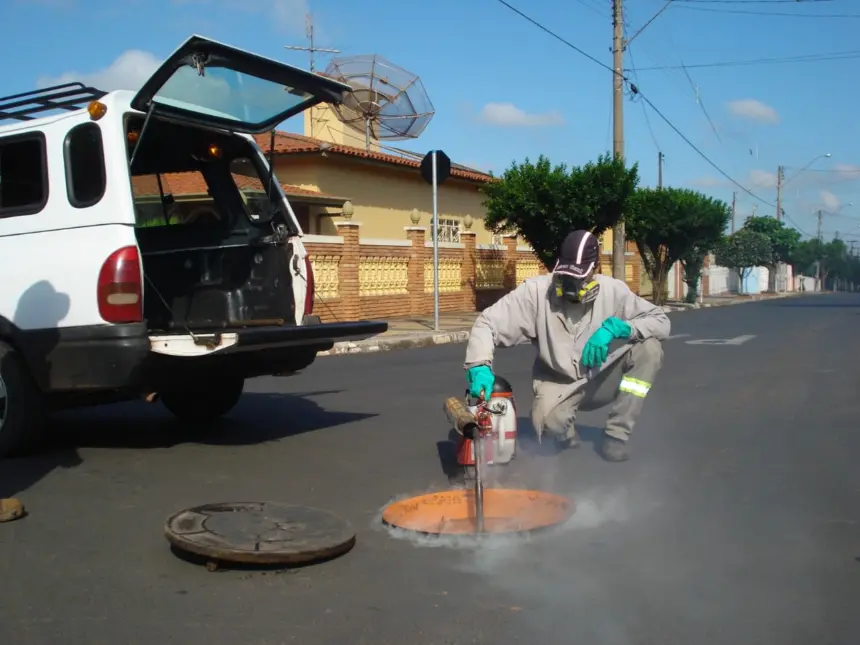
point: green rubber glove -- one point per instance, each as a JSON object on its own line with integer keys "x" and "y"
{"x": 481, "y": 380}
{"x": 597, "y": 348}
{"x": 617, "y": 327}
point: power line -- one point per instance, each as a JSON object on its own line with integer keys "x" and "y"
{"x": 808, "y": 58}
{"x": 785, "y": 14}
{"x": 635, "y": 90}
{"x": 644, "y": 111}
{"x": 794, "y": 2}
{"x": 559, "y": 38}
{"x": 794, "y": 224}
{"x": 702, "y": 154}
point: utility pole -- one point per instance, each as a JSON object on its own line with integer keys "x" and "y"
{"x": 660, "y": 156}
{"x": 780, "y": 175}
{"x": 818, "y": 264}
{"x": 618, "y": 234}
{"x": 734, "y": 210}
{"x": 311, "y": 49}
{"x": 619, "y": 244}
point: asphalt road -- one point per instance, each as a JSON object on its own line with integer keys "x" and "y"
{"x": 736, "y": 521}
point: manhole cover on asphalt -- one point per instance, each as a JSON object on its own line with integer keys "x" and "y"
{"x": 259, "y": 533}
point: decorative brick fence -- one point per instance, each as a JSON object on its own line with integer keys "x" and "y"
{"x": 360, "y": 278}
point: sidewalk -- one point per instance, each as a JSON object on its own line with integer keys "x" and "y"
{"x": 408, "y": 333}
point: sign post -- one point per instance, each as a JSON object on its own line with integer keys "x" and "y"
{"x": 435, "y": 169}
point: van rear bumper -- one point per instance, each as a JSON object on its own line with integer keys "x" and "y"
{"x": 98, "y": 357}
{"x": 122, "y": 357}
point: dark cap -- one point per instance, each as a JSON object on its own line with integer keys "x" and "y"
{"x": 579, "y": 254}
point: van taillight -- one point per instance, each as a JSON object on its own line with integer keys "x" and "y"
{"x": 309, "y": 294}
{"x": 120, "y": 291}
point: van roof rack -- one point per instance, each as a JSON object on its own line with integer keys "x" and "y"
{"x": 68, "y": 96}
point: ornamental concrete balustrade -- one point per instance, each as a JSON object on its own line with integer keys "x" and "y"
{"x": 360, "y": 278}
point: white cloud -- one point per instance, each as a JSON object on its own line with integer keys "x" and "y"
{"x": 128, "y": 72}
{"x": 509, "y": 115}
{"x": 755, "y": 180}
{"x": 285, "y": 15}
{"x": 830, "y": 201}
{"x": 290, "y": 15}
{"x": 51, "y": 4}
{"x": 707, "y": 182}
{"x": 753, "y": 110}
{"x": 761, "y": 179}
{"x": 846, "y": 172}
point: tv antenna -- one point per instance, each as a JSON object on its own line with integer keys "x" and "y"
{"x": 386, "y": 101}
{"x": 310, "y": 48}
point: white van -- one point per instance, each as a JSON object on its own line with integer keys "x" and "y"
{"x": 148, "y": 251}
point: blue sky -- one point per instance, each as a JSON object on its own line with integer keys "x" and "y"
{"x": 504, "y": 90}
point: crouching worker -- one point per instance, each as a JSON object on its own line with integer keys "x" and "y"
{"x": 572, "y": 315}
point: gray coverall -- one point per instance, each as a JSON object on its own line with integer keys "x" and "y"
{"x": 560, "y": 329}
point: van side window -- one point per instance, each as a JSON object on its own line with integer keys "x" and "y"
{"x": 23, "y": 175}
{"x": 85, "y": 165}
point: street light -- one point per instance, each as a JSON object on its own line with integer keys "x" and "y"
{"x": 824, "y": 156}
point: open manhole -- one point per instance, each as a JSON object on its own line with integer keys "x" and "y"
{"x": 505, "y": 511}
{"x": 259, "y": 533}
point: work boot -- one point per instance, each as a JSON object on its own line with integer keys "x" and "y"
{"x": 10, "y": 509}
{"x": 570, "y": 439}
{"x": 614, "y": 449}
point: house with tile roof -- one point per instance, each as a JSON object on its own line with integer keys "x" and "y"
{"x": 382, "y": 183}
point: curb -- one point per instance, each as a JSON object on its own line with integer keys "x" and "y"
{"x": 429, "y": 339}
{"x": 383, "y": 343}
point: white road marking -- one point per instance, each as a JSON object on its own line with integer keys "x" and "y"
{"x": 737, "y": 340}
{"x": 674, "y": 336}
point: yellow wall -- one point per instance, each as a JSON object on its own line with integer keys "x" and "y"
{"x": 383, "y": 197}
{"x": 322, "y": 122}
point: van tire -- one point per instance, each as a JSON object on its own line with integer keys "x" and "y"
{"x": 23, "y": 419}
{"x": 206, "y": 401}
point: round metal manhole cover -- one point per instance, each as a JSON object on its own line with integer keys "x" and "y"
{"x": 259, "y": 533}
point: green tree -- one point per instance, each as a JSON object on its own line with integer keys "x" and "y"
{"x": 543, "y": 203}
{"x": 783, "y": 242}
{"x": 743, "y": 251}
{"x": 693, "y": 262}
{"x": 671, "y": 224}
{"x": 805, "y": 255}
{"x": 835, "y": 261}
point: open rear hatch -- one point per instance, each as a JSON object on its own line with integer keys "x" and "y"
{"x": 211, "y": 84}
{"x": 215, "y": 230}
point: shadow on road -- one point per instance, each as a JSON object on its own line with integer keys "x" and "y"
{"x": 258, "y": 418}
{"x": 818, "y": 305}
{"x": 529, "y": 445}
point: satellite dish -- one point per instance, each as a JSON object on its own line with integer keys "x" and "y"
{"x": 386, "y": 102}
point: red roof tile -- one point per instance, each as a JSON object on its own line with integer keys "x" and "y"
{"x": 192, "y": 183}
{"x": 290, "y": 143}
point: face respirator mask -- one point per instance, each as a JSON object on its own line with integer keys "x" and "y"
{"x": 577, "y": 290}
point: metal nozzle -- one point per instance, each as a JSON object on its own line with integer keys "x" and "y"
{"x": 458, "y": 414}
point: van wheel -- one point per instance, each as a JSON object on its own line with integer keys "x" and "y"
{"x": 21, "y": 411}
{"x": 204, "y": 401}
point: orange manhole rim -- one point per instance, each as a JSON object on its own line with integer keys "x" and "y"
{"x": 506, "y": 511}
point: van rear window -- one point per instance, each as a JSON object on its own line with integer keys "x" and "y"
{"x": 173, "y": 199}
{"x": 23, "y": 175}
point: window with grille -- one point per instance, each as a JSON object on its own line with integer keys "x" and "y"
{"x": 449, "y": 230}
